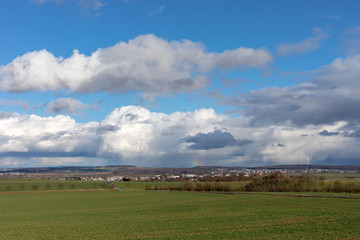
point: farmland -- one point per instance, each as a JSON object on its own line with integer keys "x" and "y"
{"x": 174, "y": 215}
{"x": 165, "y": 185}
{"x": 11, "y": 185}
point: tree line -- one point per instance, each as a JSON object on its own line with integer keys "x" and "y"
{"x": 276, "y": 182}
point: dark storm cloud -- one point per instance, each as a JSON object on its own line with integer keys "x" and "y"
{"x": 330, "y": 97}
{"x": 53, "y": 137}
{"x": 334, "y": 160}
{"x": 327, "y": 133}
{"x": 106, "y": 128}
{"x": 66, "y": 105}
{"x": 351, "y": 130}
{"x": 172, "y": 130}
{"x": 4, "y": 139}
{"x": 216, "y": 139}
{"x": 46, "y": 154}
{"x": 6, "y": 115}
{"x": 353, "y": 134}
{"x": 301, "y": 105}
{"x": 131, "y": 117}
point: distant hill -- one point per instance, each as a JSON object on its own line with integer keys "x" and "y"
{"x": 130, "y": 169}
{"x": 305, "y": 166}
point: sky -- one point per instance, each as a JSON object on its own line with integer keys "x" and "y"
{"x": 179, "y": 83}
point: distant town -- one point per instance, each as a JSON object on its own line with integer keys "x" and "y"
{"x": 133, "y": 173}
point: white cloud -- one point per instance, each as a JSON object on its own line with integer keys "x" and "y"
{"x": 32, "y": 135}
{"x": 129, "y": 134}
{"x": 67, "y": 105}
{"x": 147, "y": 64}
{"x": 140, "y": 132}
{"x": 135, "y": 135}
{"x": 307, "y": 45}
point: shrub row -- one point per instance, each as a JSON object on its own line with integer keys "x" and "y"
{"x": 49, "y": 186}
{"x": 190, "y": 186}
{"x": 271, "y": 183}
{"x": 337, "y": 187}
{"x": 36, "y": 187}
{"x": 304, "y": 183}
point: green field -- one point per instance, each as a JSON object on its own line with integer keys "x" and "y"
{"x": 174, "y": 215}
{"x": 10, "y": 185}
{"x": 340, "y": 176}
{"x": 142, "y": 185}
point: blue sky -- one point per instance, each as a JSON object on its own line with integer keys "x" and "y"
{"x": 143, "y": 82}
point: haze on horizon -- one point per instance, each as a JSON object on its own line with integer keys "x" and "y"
{"x": 179, "y": 83}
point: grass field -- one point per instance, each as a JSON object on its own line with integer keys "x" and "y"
{"x": 340, "y": 176}
{"x": 142, "y": 185}
{"x": 10, "y": 185}
{"x": 174, "y": 215}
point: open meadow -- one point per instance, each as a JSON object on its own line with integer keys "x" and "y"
{"x": 175, "y": 215}
{"x": 14, "y": 185}
{"x": 167, "y": 185}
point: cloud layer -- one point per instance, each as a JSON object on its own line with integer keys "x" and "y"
{"x": 216, "y": 139}
{"x": 312, "y": 122}
{"x": 331, "y": 96}
{"x": 135, "y": 135}
{"x": 309, "y": 44}
{"x": 66, "y": 105}
{"x": 148, "y": 64}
